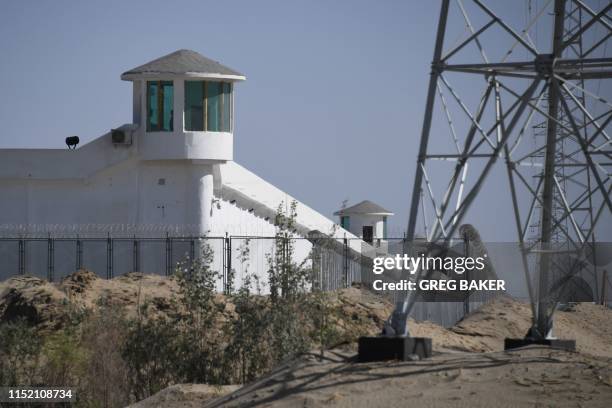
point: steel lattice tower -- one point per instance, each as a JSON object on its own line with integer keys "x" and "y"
{"x": 560, "y": 181}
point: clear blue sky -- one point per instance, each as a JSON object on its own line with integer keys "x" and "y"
{"x": 331, "y": 109}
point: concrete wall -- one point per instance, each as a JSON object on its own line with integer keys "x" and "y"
{"x": 106, "y": 197}
{"x": 132, "y": 192}
{"x": 53, "y": 164}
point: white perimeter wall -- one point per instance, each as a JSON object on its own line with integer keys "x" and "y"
{"x": 132, "y": 192}
{"x": 155, "y": 193}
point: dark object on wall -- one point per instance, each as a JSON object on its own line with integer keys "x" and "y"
{"x": 368, "y": 233}
{"x": 119, "y": 136}
{"x": 72, "y": 142}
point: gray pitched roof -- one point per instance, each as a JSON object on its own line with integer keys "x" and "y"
{"x": 183, "y": 62}
{"x": 364, "y": 207}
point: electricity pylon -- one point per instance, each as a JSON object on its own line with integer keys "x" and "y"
{"x": 560, "y": 182}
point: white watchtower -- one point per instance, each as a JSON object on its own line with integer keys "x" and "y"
{"x": 366, "y": 220}
{"x": 183, "y": 108}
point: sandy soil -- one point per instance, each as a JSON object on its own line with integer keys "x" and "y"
{"x": 468, "y": 368}
{"x": 355, "y": 312}
{"x": 530, "y": 377}
{"x": 46, "y": 304}
{"x": 485, "y": 329}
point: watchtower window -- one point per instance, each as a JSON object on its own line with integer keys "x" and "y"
{"x": 160, "y": 98}
{"x": 345, "y": 222}
{"x": 384, "y": 227}
{"x": 208, "y": 106}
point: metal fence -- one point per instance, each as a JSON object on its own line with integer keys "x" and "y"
{"x": 333, "y": 263}
{"x": 54, "y": 258}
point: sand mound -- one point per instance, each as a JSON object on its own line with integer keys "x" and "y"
{"x": 459, "y": 374}
{"x": 47, "y": 305}
{"x": 486, "y": 328}
{"x": 355, "y": 311}
{"x": 32, "y": 299}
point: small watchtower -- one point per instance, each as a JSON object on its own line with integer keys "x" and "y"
{"x": 366, "y": 220}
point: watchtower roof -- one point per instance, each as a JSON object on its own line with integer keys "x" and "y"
{"x": 364, "y": 207}
{"x": 183, "y": 63}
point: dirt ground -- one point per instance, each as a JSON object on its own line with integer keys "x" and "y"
{"x": 468, "y": 368}
{"x": 485, "y": 329}
{"x": 530, "y": 377}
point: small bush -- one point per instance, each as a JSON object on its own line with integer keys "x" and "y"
{"x": 150, "y": 353}
{"x": 105, "y": 373}
{"x": 63, "y": 359}
{"x": 20, "y": 347}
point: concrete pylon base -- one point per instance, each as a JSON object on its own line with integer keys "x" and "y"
{"x": 401, "y": 348}
{"x": 569, "y": 345}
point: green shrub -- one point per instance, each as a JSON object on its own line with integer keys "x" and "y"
{"x": 151, "y": 356}
{"x": 20, "y": 347}
{"x": 104, "y": 377}
{"x": 63, "y": 358}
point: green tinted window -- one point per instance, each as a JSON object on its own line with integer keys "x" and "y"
{"x": 153, "y": 115}
{"x": 345, "y": 222}
{"x": 160, "y": 104}
{"x": 227, "y": 107}
{"x": 214, "y": 99}
{"x": 208, "y": 106}
{"x": 384, "y": 227}
{"x": 194, "y": 106}
{"x": 168, "y": 106}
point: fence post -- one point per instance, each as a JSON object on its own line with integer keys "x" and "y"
{"x": 285, "y": 265}
{"x": 168, "y": 255}
{"x": 316, "y": 266}
{"x": 224, "y": 258}
{"x": 136, "y": 256}
{"x": 228, "y": 264}
{"x": 347, "y": 282}
{"x": 50, "y": 259}
{"x": 604, "y": 284}
{"x": 192, "y": 250}
{"x": 109, "y": 257}
{"x": 79, "y": 255}
{"x": 21, "y": 257}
